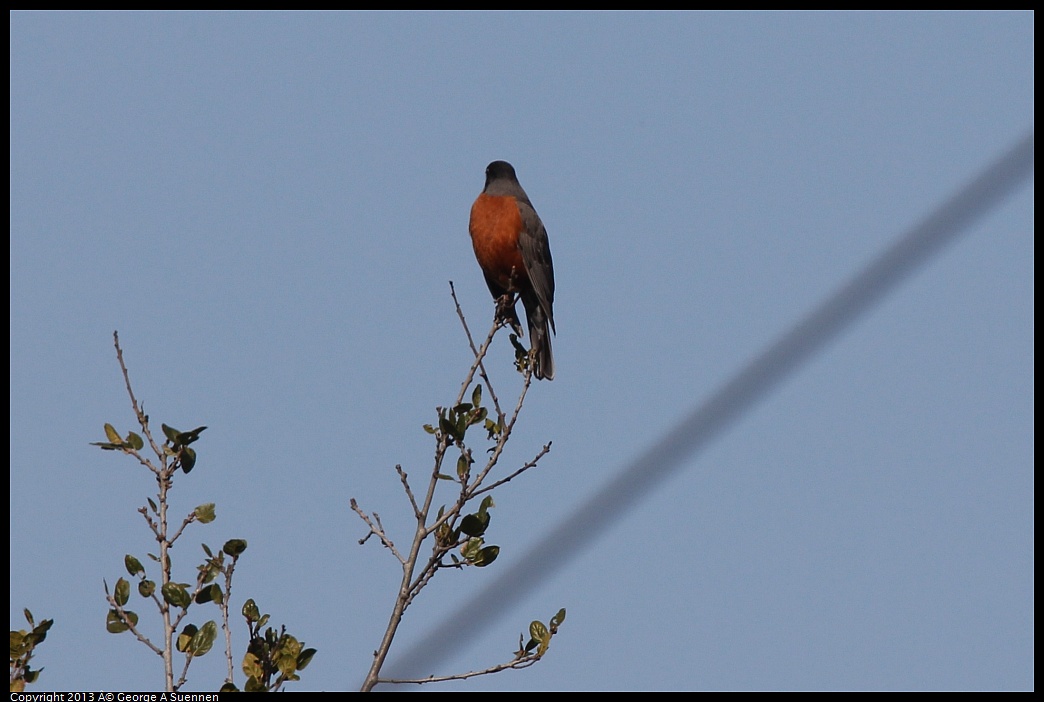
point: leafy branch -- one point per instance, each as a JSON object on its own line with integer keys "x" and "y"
{"x": 455, "y": 535}
{"x": 173, "y": 599}
{"x": 23, "y": 647}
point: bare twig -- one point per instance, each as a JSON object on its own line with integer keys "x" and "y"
{"x": 475, "y": 352}
{"x": 139, "y": 412}
{"x": 375, "y": 530}
{"x": 409, "y": 492}
{"x": 188, "y": 520}
{"x": 184, "y": 671}
{"x": 507, "y": 479}
{"x": 517, "y": 664}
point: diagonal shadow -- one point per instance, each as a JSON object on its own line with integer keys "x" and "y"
{"x": 731, "y": 401}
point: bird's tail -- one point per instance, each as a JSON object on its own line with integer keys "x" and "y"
{"x": 540, "y": 338}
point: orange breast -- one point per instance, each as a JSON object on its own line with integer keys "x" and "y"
{"x": 495, "y": 226}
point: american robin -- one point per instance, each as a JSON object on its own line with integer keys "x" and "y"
{"x": 511, "y": 247}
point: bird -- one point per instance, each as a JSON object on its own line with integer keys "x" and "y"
{"x": 513, "y": 252}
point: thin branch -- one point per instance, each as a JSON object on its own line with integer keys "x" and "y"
{"x": 141, "y": 459}
{"x": 471, "y": 342}
{"x": 409, "y": 492}
{"x": 435, "y": 563}
{"x": 224, "y": 616}
{"x": 505, "y": 431}
{"x": 375, "y": 530}
{"x": 139, "y": 413}
{"x": 479, "y": 353}
{"x": 144, "y": 511}
{"x": 532, "y": 464}
{"x": 188, "y": 520}
{"x": 128, "y": 623}
{"x": 184, "y": 672}
{"x": 517, "y": 664}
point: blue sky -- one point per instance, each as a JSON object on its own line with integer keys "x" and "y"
{"x": 268, "y": 208}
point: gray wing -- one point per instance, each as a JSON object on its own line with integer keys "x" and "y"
{"x": 536, "y": 255}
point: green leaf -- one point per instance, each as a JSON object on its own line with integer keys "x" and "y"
{"x": 135, "y": 441}
{"x": 133, "y": 565}
{"x": 252, "y": 614}
{"x": 252, "y": 666}
{"x": 289, "y": 649}
{"x": 556, "y": 621}
{"x": 428, "y": 428}
{"x": 176, "y": 594}
{"x": 210, "y": 569}
{"x": 449, "y": 428}
{"x": 115, "y": 625}
{"x": 146, "y": 588}
{"x": 444, "y": 535}
{"x": 184, "y": 641}
{"x": 112, "y": 435}
{"x": 487, "y": 503}
{"x": 476, "y": 395}
{"x": 122, "y": 592}
{"x": 254, "y": 685}
{"x": 474, "y": 524}
{"x": 471, "y": 549}
{"x": 205, "y": 513}
{"x": 234, "y": 547}
{"x": 188, "y": 459}
{"x": 538, "y": 631}
{"x": 171, "y": 433}
{"x": 153, "y": 506}
{"x": 41, "y": 629}
{"x": 463, "y": 466}
{"x": 486, "y": 556}
{"x": 305, "y": 657}
{"x": 204, "y": 639}
{"x": 209, "y": 594}
{"x": 188, "y": 437}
